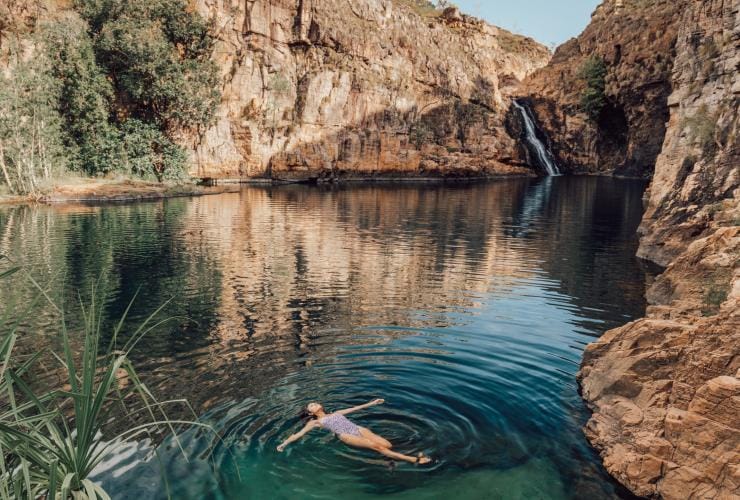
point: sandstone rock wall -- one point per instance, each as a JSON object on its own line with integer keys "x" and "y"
{"x": 330, "y": 88}
{"x": 698, "y": 171}
{"x": 665, "y": 390}
{"x": 636, "y": 39}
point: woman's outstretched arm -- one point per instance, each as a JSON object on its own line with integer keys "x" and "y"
{"x": 362, "y": 407}
{"x": 298, "y": 435}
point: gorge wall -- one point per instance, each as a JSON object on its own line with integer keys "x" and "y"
{"x": 636, "y": 41}
{"x": 333, "y": 89}
{"x": 665, "y": 390}
{"x": 697, "y": 171}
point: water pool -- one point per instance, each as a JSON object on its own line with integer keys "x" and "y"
{"x": 465, "y": 306}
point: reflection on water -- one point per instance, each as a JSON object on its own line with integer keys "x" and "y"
{"x": 466, "y": 307}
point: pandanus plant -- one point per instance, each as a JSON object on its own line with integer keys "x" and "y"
{"x": 51, "y": 440}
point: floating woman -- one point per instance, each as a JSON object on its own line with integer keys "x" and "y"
{"x": 350, "y": 433}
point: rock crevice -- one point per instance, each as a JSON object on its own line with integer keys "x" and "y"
{"x": 665, "y": 390}
{"x": 332, "y": 89}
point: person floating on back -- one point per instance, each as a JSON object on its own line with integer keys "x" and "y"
{"x": 350, "y": 433}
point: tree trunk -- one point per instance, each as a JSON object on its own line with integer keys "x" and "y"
{"x": 4, "y": 168}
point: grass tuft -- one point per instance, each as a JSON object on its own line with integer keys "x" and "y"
{"x": 50, "y": 441}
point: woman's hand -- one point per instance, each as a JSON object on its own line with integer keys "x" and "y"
{"x": 365, "y": 406}
{"x": 298, "y": 435}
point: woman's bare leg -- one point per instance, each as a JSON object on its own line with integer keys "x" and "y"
{"x": 368, "y": 434}
{"x": 361, "y": 442}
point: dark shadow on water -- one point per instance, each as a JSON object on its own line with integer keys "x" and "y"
{"x": 466, "y": 306}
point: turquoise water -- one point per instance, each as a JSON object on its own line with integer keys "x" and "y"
{"x": 466, "y": 307}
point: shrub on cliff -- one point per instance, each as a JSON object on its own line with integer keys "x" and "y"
{"x": 466, "y": 115}
{"x": 593, "y": 97}
{"x": 701, "y": 128}
{"x": 425, "y": 8}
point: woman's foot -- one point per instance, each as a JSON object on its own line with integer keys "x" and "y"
{"x": 421, "y": 459}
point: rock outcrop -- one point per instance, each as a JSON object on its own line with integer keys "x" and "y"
{"x": 665, "y": 390}
{"x": 635, "y": 39}
{"x": 330, "y": 89}
{"x": 698, "y": 171}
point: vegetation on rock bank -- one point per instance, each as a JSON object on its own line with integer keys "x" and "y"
{"x": 593, "y": 97}
{"x": 110, "y": 86}
{"x": 51, "y": 440}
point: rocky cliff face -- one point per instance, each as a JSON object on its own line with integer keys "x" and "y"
{"x": 698, "y": 170}
{"x": 635, "y": 39}
{"x": 665, "y": 390}
{"x": 329, "y": 89}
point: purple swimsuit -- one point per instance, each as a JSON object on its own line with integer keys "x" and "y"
{"x": 339, "y": 424}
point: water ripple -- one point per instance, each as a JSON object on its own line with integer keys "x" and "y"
{"x": 465, "y": 307}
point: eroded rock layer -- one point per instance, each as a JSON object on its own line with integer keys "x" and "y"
{"x": 635, "y": 39}
{"x": 698, "y": 170}
{"x": 665, "y": 390}
{"x": 330, "y": 88}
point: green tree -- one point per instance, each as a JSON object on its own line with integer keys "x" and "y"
{"x": 31, "y": 142}
{"x": 108, "y": 88}
{"x": 149, "y": 152}
{"x": 593, "y": 97}
{"x": 157, "y": 53}
{"x": 156, "y": 56}
{"x": 85, "y": 99}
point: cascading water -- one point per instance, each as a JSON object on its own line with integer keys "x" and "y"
{"x": 544, "y": 156}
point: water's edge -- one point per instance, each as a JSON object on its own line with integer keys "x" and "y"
{"x": 465, "y": 305}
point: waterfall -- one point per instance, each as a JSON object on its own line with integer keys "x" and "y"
{"x": 544, "y": 156}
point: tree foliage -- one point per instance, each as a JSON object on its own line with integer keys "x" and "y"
{"x": 593, "y": 97}
{"x": 157, "y": 54}
{"x": 31, "y": 141}
{"x": 149, "y": 152}
{"x": 121, "y": 81}
{"x": 85, "y": 97}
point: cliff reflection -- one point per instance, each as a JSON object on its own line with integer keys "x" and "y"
{"x": 272, "y": 277}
